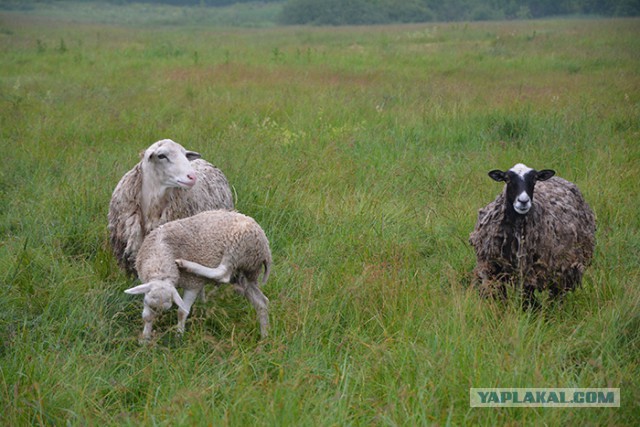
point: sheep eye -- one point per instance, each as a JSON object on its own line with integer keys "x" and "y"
{"x": 162, "y": 156}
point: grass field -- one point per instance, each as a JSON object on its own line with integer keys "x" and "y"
{"x": 363, "y": 153}
{"x": 249, "y": 15}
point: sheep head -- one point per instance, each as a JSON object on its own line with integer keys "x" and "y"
{"x": 167, "y": 164}
{"x": 159, "y": 295}
{"x": 520, "y": 181}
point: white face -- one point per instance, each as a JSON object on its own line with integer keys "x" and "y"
{"x": 168, "y": 164}
{"x": 160, "y": 296}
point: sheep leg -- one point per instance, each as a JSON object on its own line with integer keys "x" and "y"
{"x": 260, "y": 302}
{"x": 221, "y": 274}
{"x": 189, "y": 298}
{"x": 148, "y": 316}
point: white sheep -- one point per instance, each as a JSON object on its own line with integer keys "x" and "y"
{"x": 168, "y": 183}
{"x": 534, "y": 240}
{"x": 223, "y": 246}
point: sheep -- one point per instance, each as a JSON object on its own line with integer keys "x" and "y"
{"x": 536, "y": 244}
{"x": 168, "y": 183}
{"x": 223, "y": 246}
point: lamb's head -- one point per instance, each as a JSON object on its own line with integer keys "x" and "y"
{"x": 167, "y": 164}
{"x": 520, "y": 181}
{"x": 159, "y": 295}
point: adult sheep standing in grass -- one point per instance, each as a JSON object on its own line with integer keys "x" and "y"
{"x": 223, "y": 246}
{"x": 168, "y": 183}
{"x": 543, "y": 243}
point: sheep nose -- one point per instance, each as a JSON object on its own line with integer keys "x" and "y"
{"x": 523, "y": 198}
{"x": 192, "y": 177}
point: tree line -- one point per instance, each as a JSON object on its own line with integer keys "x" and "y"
{"x": 353, "y": 12}
{"x": 356, "y": 12}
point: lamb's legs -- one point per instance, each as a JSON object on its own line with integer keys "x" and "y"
{"x": 148, "y": 316}
{"x": 189, "y": 297}
{"x": 260, "y": 303}
{"x": 221, "y": 274}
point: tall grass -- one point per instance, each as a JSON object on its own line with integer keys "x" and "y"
{"x": 363, "y": 153}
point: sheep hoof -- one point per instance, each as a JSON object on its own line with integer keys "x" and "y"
{"x": 144, "y": 341}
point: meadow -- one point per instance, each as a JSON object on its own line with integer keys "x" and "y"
{"x": 363, "y": 152}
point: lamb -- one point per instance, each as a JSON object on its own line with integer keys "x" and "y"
{"x": 168, "y": 183}
{"x": 223, "y": 246}
{"x": 544, "y": 245}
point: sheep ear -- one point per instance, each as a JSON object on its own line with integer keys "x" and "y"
{"x": 140, "y": 289}
{"x": 498, "y": 175}
{"x": 545, "y": 174}
{"x": 192, "y": 155}
{"x": 179, "y": 302}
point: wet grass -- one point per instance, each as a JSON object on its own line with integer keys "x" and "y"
{"x": 363, "y": 153}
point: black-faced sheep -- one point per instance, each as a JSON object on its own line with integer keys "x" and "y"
{"x": 543, "y": 242}
{"x": 223, "y": 246}
{"x": 168, "y": 183}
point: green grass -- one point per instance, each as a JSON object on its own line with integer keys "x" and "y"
{"x": 363, "y": 153}
{"x": 251, "y": 15}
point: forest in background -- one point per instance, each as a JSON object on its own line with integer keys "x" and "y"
{"x": 363, "y": 12}
{"x": 343, "y": 12}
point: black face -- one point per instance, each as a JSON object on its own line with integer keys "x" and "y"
{"x": 521, "y": 182}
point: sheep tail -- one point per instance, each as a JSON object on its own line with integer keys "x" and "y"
{"x": 267, "y": 271}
